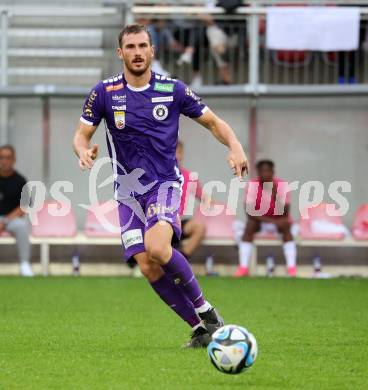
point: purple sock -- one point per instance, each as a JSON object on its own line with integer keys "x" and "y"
{"x": 176, "y": 299}
{"x": 181, "y": 272}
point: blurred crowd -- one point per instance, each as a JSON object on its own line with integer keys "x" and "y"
{"x": 191, "y": 43}
{"x": 191, "y": 40}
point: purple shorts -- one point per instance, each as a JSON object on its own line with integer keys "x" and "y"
{"x": 138, "y": 214}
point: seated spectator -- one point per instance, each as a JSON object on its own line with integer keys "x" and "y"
{"x": 187, "y": 35}
{"x": 261, "y": 196}
{"x": 12, "y": 219}
{"x": 193, "y": 231}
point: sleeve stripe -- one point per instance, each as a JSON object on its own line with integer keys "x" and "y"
{"x": 85, "y": 121}
{"x": 205, "y": 109}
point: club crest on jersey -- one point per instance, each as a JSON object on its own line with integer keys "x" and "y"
{"x": 160, "y": 112}
{"x": 119, "y": 117}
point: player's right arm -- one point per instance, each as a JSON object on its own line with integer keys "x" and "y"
{"x": 93, "y": 112}
{"x": 81, "y": 144}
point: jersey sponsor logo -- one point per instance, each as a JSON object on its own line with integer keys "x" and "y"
{"x": 160, "y": 112}
{"x": 119, "y": 98}
{"x": 160, "y": 99}
{"x": 119, "y": 118}
{"x": 119, "y": 108}
{"x": 132, "y": 237}
{"x": 87, "y": 109}
{"x": 115, "y": 87}
{"x": 190, "y": 93}
{"x": 164, "y": 87}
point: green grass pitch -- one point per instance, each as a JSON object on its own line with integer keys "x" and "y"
{"x": 114, "y": 333}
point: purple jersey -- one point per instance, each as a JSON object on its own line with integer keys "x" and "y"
{"x": 142, "y": 123}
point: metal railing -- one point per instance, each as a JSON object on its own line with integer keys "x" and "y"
{"x": 245, "y": 57}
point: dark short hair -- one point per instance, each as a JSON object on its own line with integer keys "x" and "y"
{"x": 134, "y": 29}
{"x": 269, "y": 163}
{"x": 8, "y": 147}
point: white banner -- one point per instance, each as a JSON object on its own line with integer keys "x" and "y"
{"x": 313, "y": 28}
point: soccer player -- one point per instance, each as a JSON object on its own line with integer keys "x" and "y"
{"x": 141, "y": 110}
{"x": 271, "y": 222}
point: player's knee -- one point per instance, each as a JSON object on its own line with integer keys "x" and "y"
{"x": 158, "y": 251}
{"x": 18, "y": 225}
{"x": 151, "y": 270}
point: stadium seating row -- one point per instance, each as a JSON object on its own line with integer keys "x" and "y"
{"x": 62, "y": 230}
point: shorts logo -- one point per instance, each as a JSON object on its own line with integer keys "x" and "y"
{"x": 132, "y": 237}
{"x": 158, "y": 209}
{"x": 164, "y": 87}
{"x": 115, "y": 87}
{"x": 119, "y": 118}
{"x": 160, "y": 112}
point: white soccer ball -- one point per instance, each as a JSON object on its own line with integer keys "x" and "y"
{"x": 233, "y": 349}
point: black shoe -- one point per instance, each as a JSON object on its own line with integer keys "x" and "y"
{"x": 200, "y": 338}
{"x": 211, "y": 320}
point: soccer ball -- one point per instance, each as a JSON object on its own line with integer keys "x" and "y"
{"x": 233, "y": 349}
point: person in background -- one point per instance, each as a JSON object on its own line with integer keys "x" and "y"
{"x": 12, "y": 219}
{"x": 258, "y": 194}
{"x": 348, "y": 61}
{"x": 193, "y": 230}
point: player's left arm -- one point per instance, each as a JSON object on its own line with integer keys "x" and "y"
{"x": 237, "y": 158}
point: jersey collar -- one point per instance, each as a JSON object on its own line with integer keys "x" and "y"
{"x": 140, "y": 89}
